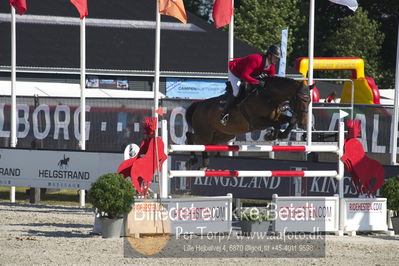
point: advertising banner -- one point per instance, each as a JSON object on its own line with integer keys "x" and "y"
{"x": 95, "y": 82}
{"x": 181, "y": 216}
{"x": 364, "y": 214}
{"x": 194, "y": 88}
{"x": 55, "y": 169}
{"x": 306, "y": 214}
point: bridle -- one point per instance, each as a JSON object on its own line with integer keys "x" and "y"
{"x": 303, "y": 94}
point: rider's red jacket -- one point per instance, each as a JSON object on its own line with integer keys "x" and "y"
{"x": 245, "y": 68}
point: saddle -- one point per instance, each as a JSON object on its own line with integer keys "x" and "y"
{"x": 246, "y": 89}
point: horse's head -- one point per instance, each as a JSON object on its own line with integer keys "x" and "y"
{"x": 300, "y": 104}
{"x": 279, "y": 89}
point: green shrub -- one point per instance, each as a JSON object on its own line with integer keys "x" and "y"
{"x": 390, "y": 190}
{"x": 112, "y": 194}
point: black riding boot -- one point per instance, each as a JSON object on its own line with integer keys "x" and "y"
{"x": 230, "y": 101}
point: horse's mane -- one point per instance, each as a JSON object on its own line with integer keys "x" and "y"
{"x": 280, "y": 80}
{"x": 275, "y": 83}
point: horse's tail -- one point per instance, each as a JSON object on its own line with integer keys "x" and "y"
{"x": 189, "y": 113}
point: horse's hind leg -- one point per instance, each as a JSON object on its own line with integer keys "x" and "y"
{"x": 191, "y": 161}
{"x": 193, "y": 157}
{"x": 205, "y": 160}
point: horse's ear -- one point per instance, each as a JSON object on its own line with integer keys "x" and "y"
{"x": 312, "y": 86}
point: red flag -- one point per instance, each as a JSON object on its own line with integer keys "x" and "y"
{"x": 81, "y": 6}
{"x": 19, "y": 5}
{"x": 222, "y": 12}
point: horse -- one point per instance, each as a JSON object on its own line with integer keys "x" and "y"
{"x": 260, "y": 109}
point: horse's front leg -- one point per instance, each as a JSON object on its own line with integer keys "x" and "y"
{"x": 287, "y": 131}
{"x": 193, "y": 157}
{"x": 274, "y": 134}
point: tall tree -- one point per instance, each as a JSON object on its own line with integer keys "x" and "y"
{"x": 201, "y": 8}
{"x": 259, "y": 22}
{"x": 386, "y": 12}
{"x": 358, "y": 36}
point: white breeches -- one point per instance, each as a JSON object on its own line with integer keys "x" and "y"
{"x": 235, "y": 83}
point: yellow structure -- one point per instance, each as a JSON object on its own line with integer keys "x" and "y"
{"x": 366, "y": 91}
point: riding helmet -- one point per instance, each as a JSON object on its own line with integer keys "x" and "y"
{"x": 274, "y": 50}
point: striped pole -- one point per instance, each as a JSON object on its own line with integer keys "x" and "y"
{"x": 227, "y": 173}
{"x": 254, "y": 148}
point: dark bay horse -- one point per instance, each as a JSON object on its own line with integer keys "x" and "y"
{"x": 259, "y": 110}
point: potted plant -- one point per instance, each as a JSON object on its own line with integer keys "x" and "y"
{"x": 390, "y": 190}
{"x": 112, "y": 195}
{"x": 255, "y": 219}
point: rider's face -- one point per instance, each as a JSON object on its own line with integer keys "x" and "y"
{"x": 273, "y": 59}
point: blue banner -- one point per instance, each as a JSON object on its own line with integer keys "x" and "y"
{"x": 283, "y": 59}
{"x": 194, "y": 88}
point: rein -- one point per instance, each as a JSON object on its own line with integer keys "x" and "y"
{"x": 295, "y": 102}
{"x": 302, "y": 94}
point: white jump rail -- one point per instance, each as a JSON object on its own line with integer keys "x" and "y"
{"x": 254, "y": 148}
{"x": 338, "y": 149}
{"x": 228, "y": 173}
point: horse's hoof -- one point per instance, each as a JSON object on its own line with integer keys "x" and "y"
{"x": 203, "y": 168}
{"x": 282, "y": 136}
{"x": 269, "y": 136}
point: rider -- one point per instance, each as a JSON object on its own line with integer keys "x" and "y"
{"x": 244, "y": 69}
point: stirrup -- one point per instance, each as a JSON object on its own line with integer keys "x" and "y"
{"x": 224, "y": 119}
